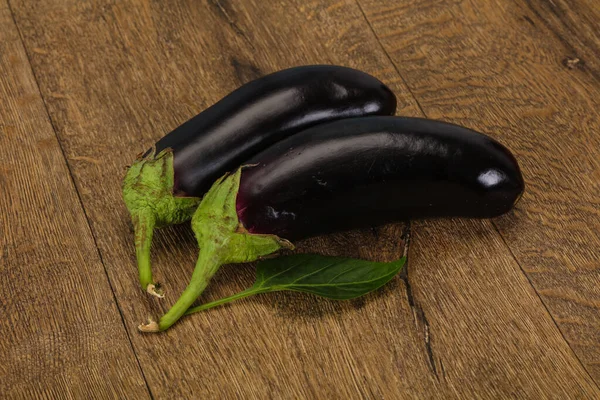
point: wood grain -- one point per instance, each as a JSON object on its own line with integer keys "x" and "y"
{"x": 463, "y": 321}
{"x": 61, "y": 335}
{"x": 573, "y": 26}
{"x": 498, "y": 67}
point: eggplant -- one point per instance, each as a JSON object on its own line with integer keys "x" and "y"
{"x": 165, "y": 184}
{"x": 345, "y": 175}
{"x": 370, "y": 171}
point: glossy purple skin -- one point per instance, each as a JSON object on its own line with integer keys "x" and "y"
{"x": 265, "y": 111}
{"x": 375, "y": 170}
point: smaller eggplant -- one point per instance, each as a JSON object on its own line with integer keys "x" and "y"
{"x": 345, "y": 175}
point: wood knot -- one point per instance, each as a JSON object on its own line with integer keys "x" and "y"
{"x": 573, "y": 62}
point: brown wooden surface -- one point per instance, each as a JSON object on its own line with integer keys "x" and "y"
{"x": 487, "y": 309}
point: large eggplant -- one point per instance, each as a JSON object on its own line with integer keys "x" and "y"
{"x": 344, "y": 175}
{"x": 164, "y": 185}
{"x": 370, "y": 171}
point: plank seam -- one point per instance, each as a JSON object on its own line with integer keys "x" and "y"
{"x": 418, "y": 313}
{"x": 73, "y": 182}
{"x": 390, "y": 58}
{"x": 225, "y": 16}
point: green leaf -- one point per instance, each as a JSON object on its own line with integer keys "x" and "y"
{"x": 336, "y": 278}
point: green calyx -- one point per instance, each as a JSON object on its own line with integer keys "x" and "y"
{"x": 222, "y": 239}
{"x": 148, "y": 194}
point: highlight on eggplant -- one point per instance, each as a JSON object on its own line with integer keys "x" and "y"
{"x": 165, "y": 184}
{"x": 345, "y": 175}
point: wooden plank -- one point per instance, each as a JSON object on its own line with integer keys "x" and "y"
{"x": 118, "y": 76}
{"x": 61, "y": 335}
{"x": 500, "y": 67}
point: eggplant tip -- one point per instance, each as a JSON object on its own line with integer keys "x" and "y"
{"x": 155, "y": 291}
{"x": 150, "y": 327}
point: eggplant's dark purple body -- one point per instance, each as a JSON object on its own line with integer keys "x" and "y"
{"x": 265, "y": 111}
{"x": 369, "y": 171}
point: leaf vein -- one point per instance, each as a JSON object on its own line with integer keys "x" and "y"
{"x": 279, "y": 273}
{"x": 338, "y": 284}
{"x": 345, "y": 272}
{"x": 317, "y": 271}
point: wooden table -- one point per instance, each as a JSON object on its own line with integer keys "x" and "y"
{"x": 487, "y": 309}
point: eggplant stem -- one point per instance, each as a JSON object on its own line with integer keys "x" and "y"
{"x": 143, "y": 224}
{"x": 148, "y": 194}
{"x": 209, "y": 262}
